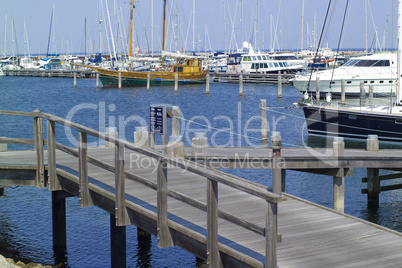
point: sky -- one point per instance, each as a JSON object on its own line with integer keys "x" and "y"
{"x": 219, "y": 25}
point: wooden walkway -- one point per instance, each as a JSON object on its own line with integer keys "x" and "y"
{"x": 131, "y": 185}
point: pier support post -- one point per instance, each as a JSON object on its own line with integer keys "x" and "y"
{"x": 373, "y": 179}
{"x": 339, "y": 179}
{"x": 144, "y": 242}
{"x": 213, "y": 255}
{"x": 2, "y": 192}
{"x": 317, "y": 89}
{"x": 371, "y": 95}
{"x": 97, "y": 79}
{"x": 199, "y": 144}
{"x": 54, "y": 184}
{"x": 176, "y": 82}
{"x": 119, "y": 80}
{"x": 279, "y": 87}
{"x": 38, "y": 136}
{"x": 207, "y": 84}
{"x": 84, "y": 195}
{"x": 59, "y": 225}
{"x": 75, "y": 78}
{"x": 271, "y": 227}
{"x": 175, "y": 147}
{"x": 148, "y": 80}
{"x": 117, "y": 244}
{"x": 141, "y": 137}
{"x": 241, "y": 85}
{"x": 362, "y": 95}
{"x": 164, "y": 236}
{"x": 276, "y": 142}
{"x": 343, "y": 99}
{"x": 263, "y": 109}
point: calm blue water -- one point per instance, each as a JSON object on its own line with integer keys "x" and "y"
{"x": 229, "y": 120}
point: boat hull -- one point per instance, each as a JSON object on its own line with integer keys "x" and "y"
{"x": 352, "y": 124}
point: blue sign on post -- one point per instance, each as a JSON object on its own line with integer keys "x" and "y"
{"x": 156, "y": 119}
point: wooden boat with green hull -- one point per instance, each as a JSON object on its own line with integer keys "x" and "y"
{"x": 189, "y": 71}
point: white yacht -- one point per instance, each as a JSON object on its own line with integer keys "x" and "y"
{"x": 265, "y": 63}
{"x": 378, "y": 70}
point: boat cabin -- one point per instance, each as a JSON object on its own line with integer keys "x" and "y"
{"x": 186, "y": 66}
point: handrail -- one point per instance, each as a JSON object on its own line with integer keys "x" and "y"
{"x": 164, "y": 239}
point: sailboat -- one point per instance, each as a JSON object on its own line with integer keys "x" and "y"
{"x": 188, "y": 68}
{"x": 359, "y": 122}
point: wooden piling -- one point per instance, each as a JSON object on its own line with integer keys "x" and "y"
{"x": 75, "y": 78}
{"x": 241, "y": 85}
{"x": 176, "y": 82}
{"x": 119, "y": 80}
{"x": 175, "y": 147}
{"x": 141, "y": 137}
{"x": 148, "y": 80}
{"x": 110, "y": 132}
{"x": 207, "y": 84}
{"x": 339, "y": 179}
{"x": 373, "y": 179}
{"x": 118, "y": 244}
{"x": 59, "y": 225}
{"x": 2, "y": 192}
{"x": 199, "y": 144}
{"x": 213, "y": 256}
{"x": 263, "y": 109}
{"x": 343, "y": 99}
{"x": 279, "y": 87}
{"x": 317, "y": 89}
{"x": 38, "y": 136}
{"x": 97, "y": 79}
{"x": 276, "y": 142}
{"x": 362, "y": 95}
{"x": 164, "y": 237}
{"x": 176, "y": 121}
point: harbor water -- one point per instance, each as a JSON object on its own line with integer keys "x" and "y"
{"x": 227, "y": 119}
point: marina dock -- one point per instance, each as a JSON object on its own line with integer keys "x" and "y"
{"x": 186, "y": 202}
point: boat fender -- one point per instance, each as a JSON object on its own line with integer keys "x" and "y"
{"x": 184, "y": 81}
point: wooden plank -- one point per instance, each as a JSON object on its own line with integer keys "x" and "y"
{"x": 85, "y": 197}
{"x": 40, "y": 163}
{"x": 54, "y": 184}
{"x": 213, "y": 256}
{"x": 122, "y": 217}
{"x": 164, "y": 237}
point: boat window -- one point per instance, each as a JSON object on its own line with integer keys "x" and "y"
{"x": 390, "y": 81}
{"x": 180, "y": 69}
{"x": 348, "y": 82}
{"x": 271, "y": 65}
{"x": 199, "y": 63}
{"x": 188, "y": 63}
{"x": 371, "y": 82}
{"x": 252, "y": 66}
{"x": 180, "y": 61}
{"x": 248, "y": 58}
{"x": 398, "y": 121}
{"x": 332, "y": 82}
{"x": 254, "y": 58}
{"x": 281, "y": 64}
{"x": 365, "y": 82}
{"x": 276, "y": 64}
{"x": 352, "y": 116}
{"x": 263, "y": 57}
{"x": 265, "y": 65}
{"x": 381, "y": 82}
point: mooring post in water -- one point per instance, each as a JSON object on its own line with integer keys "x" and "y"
{"x": 117, "y": 244}
{"x": 263, "y": 109}
{"x": 339, "y": 178}
{"x": 175, "y": 121}
{"x": 371, "y": 95}
{"x": 59, "y": 225}
{"x": 240, "y": 85}
{"x": 148, "y": 80}
{"x": 75, "y": 78}
{"x": 362, "y": 95}
{"x": 279, "y": 87}
{"x": 2, "y": 192}
{"x": 373, "y": 179}
{"x": 97, "y": 79}
{"x": 276, "y": 142}
{"x": 119, "y": 80}
{"x": 317, "y": 89}
{"x": 343, "y": 88}
{"x": 207, "y": 84}
{"x": 176, "y": 82}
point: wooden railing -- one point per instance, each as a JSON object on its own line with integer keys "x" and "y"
{"x": 213, "y": 176}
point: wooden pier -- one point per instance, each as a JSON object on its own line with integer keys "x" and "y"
{"x": 258, "y": 78}
{"x": 186, "y": 202}
{"x": 50, "y": 73}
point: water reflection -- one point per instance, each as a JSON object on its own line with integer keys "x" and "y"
{"x": 144, "y": 255}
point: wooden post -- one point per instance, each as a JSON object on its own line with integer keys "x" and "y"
{"x": 152, "y": 141}
{"x": 207, "y": 84}
{"x": 122, "y": 217}
{"x": 59, "y": 225}
{"x": 371, "y": 95}
{"x": 117, "y": 244}
{"x": 141, "y": 137}
{"x": 279, "y": 87}
{"x": 119, "y": 78}
{"x": 84, "y": 196}
{"x": 240, "y": 85}
{"x": 271, "y": 232}
{"x": 176, "y": 82}
{"x": 97, "y": 79}
{"x": 54, "y": 184}
{"x": 38, "y": 136}
{"x": 263, "y": 109}
{"x": 213, "y": 256}
{"x": 148, "y": 80}
{"x": 343, "y": 88}
{"x": 164, "y": 237}
{"x": 317, "y": 89}
{"x": 75, "y": 78}
{"x": 176, "y": 121}
{"x": 362, "y": 95}
{"x": 373, "y": 179}
{"x": 175, "y": 147}
{"x": 199, "y": 144}
{"x": 339, "y": 179}
{"x": 164, "y": 135}
{"x": 276, "y": 142}
{"x": 111, "y": 132}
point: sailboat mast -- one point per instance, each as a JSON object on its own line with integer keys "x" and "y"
{"x": 163, "y": 27}
{"x": 131, "y": 27}
{"x": 302, "y": 30}
{"x": 399, "y": 92}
